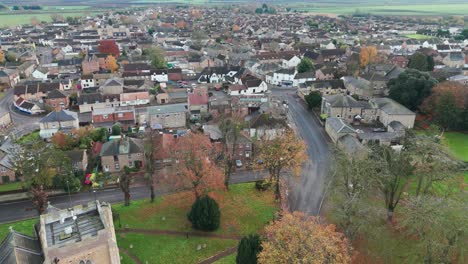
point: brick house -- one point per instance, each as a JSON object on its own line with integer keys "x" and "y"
{"x": 118, "y": 153}
{"x": 107, "y": 117}
{"x": 90, "y": 64}
{"x": 57, "y": 100}
{"x": 198, "y": 103}
{"x": 7, "y": 174}
{"x": 35, "y": 91}
{"x": 88, "y": 102}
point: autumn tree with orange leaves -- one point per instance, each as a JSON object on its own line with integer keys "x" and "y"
{"x": 2, "y": 56}
{"x": 283, "y": 153}
{"x": 298, "y": 238}
{"x": 195, "y": 157}
{"x": 368, "y": 55}
{"x": 109, "y": 46}
{"x": 111, "y": 63}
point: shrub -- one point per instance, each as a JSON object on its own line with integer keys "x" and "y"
{"x": 205, "y": 214}
{"x": 262, "y": 185}
{"x": 248, "y": 249}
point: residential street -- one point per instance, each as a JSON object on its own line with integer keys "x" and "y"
{"x": 11, "y": 211}
{"x": 23, "y": 123}
{"x": 305, "y": 195}
{"x": 307, "y": 192}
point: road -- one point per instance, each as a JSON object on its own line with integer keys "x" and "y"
{"x": 306, "y": 194}
{"x": 17, "y": 210}
{"x": 23, "y": 123}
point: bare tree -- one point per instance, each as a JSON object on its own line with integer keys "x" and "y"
{"x": 230, "y": 130}
{"x": 391, "y": 176}
{"x": 39, "y": 199}
{"x": 151, "y": 148}
{"x": 125, "y": 179}
{"x": 351, "y": 180}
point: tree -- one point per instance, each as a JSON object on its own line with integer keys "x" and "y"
{"x": 109, "y": 47}
{"x": 39, "y": 199}
{"x": 285, "y": 152}
{"x": 393, "y": 171}
{"x": 38, "y": 163}
{"x": 99, "y": 134}
{"x": 124, "y": 181}
{"x": 151, "y": 147}
{"x": 368, "y": 55}
{"x": 305, "y": 65}
{"x": 447, "y": 114}
{"x": 313, "y": 99}
{"x": 195, "y": 157}
{"x": 447, "y": 103}
{"x": 63, "y": 141}
{"x": 156, "y": 55}
{"x": 230, "y": 132}
{"x": 205, "y": 214}
{"x": 56, "y": 17}
{"x": 248, "y": 249}
{"x": 419, "y": 61}
{"x": 431, "y": 162}
{"x": 116, "y": 130}
{"x": 308, "y": 241}
{"x": 2, "y": 56}
{"x": 441, "y": 226}
{"x": 411, "y": 87}
{"x": 351, "y": 181}
{"x": 430, "y": 63}
{"x": 111, "y": 63}
{"x": 34, "y": 21}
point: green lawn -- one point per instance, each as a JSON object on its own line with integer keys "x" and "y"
{"x": 125, "y": 259}
{"x": 231, "y": 259}
{"x": 384, "y": 9}
{"x": 11, "y": 19}
{"x": 10, "y": 186}
{"x": 417, "y": 36}
{"x": 457, "y": 142}
{"x": 33, "y": 136}
{"x": 172, "y": 249}
{"x": 24, "y": 227}
{"x": 243, "y": 210}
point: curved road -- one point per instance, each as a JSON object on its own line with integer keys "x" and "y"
{"x": 306, "y": 194}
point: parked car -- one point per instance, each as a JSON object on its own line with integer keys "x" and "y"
{"x": 238, "y": 163}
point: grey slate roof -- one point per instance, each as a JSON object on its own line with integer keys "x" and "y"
{"x": 390, "y": 106}
{"x": 344, "y": 101}
{"x": 122, "y": 147}
{"x": 60, "y": 116}
{"x": 339, "y": 125}
{"x": 166, "y": 109}
{"x": 21, "y": 249}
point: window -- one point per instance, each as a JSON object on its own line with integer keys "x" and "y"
{"x": 120, "y": 114}
{"x": 105, "y": 116}
{"x": 106, "y": 167}
{"x": 129, "y": 156}
{"x": 117, "y": 166}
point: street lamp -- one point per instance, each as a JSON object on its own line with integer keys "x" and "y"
{"x": 94, "y": 193}
{"x": 69, "y": 196}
